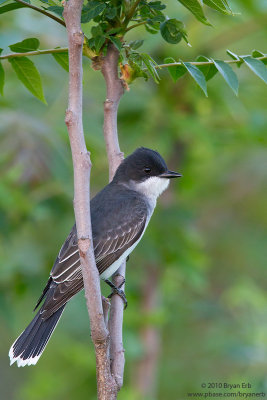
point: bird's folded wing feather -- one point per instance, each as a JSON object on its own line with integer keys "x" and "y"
{"x": 110, "y": 242}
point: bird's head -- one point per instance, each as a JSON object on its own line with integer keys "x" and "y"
{"x": 145, "y": 171}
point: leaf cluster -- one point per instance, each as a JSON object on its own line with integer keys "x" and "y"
{"x": 26, "y": 70}
{"x": 110, "y": 21}
{"x": 204, "y": 69}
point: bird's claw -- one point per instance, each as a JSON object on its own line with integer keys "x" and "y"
{"x": 118, "y": 291}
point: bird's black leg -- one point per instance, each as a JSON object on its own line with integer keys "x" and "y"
{"x": 127, "y": 259}
{"x": 117, "y": 290}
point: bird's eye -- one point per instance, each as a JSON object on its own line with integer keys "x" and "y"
{"x": 147, "y": 170}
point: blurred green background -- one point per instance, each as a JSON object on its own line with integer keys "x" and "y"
{"x": 196, "y": 285}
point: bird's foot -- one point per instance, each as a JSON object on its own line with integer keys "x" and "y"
{"x": 118, "y": 291}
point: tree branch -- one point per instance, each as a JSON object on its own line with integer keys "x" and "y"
{"x": 199, "y": 63}
{"x": 135, "y": 25}
{"x": 114, "y": 92}
{"x": 115, "y": 323}
{"x": 40, "y": 10}
{"x": 35, "y": 53}
{"x": 106, "y": 385}
{"x": 65, "y": 49}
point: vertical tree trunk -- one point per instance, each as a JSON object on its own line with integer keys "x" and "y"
{"x": 107, "y": 386}
{"x": 115, "y": 90}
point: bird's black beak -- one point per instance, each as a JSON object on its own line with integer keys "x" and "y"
{"x": 170, "y": 174}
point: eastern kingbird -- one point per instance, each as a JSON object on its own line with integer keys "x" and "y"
{"x": 120, "y": 214}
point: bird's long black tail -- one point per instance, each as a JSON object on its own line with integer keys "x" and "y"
{"x": 28, "y": 347}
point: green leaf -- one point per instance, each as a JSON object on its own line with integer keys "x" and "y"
{"x": 257, "y": 67}
{"x": 135, "y": 68}
{"x": 62, "y": 59}
{"x": 228, "y": 74}
{"x": 91, "y": 43}
{"x": 172, "y": 30}
{"x": 91, "y": 10}
{"x": 111, "y": 12}
{"x": 156, "y": 5}
{"x": 197, "y": 75}
{"x": 2, "y": 79}
{"x": 117, "y": 43}
{"x": 234, "y": 57}
{"x": 152, "y": 29}
{"x": 157, "y": 18}
{"x": 150, "y": 64}
{"x": 154, "y": 25}
{"x": 145, "y": 11}
{"x": 212, "y": 71}
{"x": 26, "y": 45}
{"x": 56, "y": 9}
{"x": 135, "y": 44}
{"x": 99, "y": 41}
{"x": 113, "y": 30}
{"x": 203, "y": 68}
{"x": 219, "y": 5}
{"x": 195, "y": 8}
{"x": 96, "y": 31}
{"x": 209, "y": 70}
{"x": 176, "y": 71}
{"x": 52, "y": 2}
{"x": 28, "y": 75}
{"x": 257, "y": 53}
{"x": 10, "y": 7}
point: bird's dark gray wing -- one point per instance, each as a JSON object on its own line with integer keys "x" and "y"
{"x": 67, "y": 264}
{"x": 109, "y": 246}
{"x": 116, "y": 226}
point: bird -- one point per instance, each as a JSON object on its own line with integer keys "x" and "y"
{"x": 120, "y": 213}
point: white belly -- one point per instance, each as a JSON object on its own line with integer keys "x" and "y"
{"x": 113, "y": 267}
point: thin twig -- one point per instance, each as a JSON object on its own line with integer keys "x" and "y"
{"x": 115, "y": 324}
{"x": 40, "y": 10}
{"x": 135, "y": 25}
{"x": 106, "y": 385}
{"x": 114, "y": 92}
{"x": 35, "y": 53}
{"x": 199, "y": 63}
{"x": 159, "y": 66}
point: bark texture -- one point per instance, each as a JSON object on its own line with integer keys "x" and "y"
{"x": 106, "y": 385}
{"x": 115, "y": 89}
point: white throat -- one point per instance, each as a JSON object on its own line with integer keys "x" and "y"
{"x": 152, "y": 187}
